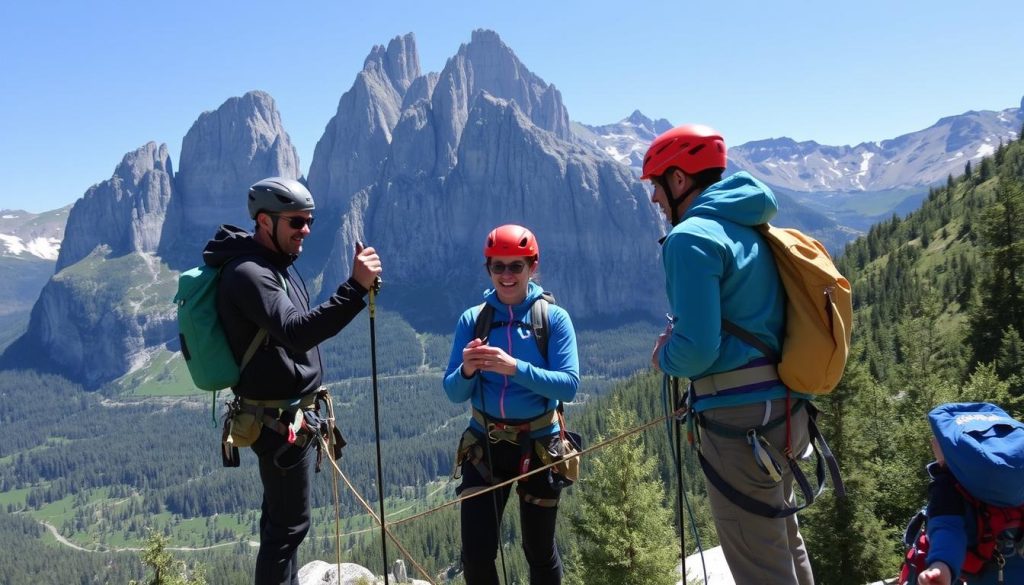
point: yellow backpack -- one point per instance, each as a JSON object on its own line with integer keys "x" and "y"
{"x": 819, "y": 313}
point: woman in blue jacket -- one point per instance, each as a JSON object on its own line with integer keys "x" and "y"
{"x": 515, "y": 392}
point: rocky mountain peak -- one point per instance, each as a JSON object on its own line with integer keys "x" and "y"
{"x": 357, "y": 139}
{"x": 125, "y": 212}
{"x": 399, "y": 63}
{"x": 508, "y": 169}
{"x": 655, "y": 127}
{"x": 488, "y": 64}
{"x": 224, "y": 152}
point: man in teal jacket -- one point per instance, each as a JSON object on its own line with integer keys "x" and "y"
{"x": 718, "y": 267}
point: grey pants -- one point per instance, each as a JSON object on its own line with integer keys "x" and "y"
{"x": 759, "y": 550}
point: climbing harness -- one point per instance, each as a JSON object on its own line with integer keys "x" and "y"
{"x": 298, "y": 421}
{"x": 760, "y": 447}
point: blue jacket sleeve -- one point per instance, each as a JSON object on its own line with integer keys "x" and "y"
{"x": 947, "y": 536}
{"x": 693, "y": 271}
{"x": 458, "y": 387}
{"x": 562, "y": 377}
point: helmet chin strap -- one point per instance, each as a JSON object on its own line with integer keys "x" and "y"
{"x": 277, "y": 246}
{"x": 674, "y": 202}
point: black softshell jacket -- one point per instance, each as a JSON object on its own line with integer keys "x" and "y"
{"x": 250, "y": 296}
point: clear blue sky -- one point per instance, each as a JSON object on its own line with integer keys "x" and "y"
{"x": 84, "y": 82}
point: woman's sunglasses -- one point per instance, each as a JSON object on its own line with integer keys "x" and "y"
{"x": 295, "y": 222}
{"x": 516, "y": 267}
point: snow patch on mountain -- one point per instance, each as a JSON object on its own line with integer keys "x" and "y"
{"x": 45, "y": 248}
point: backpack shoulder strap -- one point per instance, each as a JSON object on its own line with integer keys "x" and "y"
{"x": 540, "y": 322}
{"x": 261, "y": 335}
{"x": 750, "y": 338}
{"x": 484, "y": 318}
{"x": 741, "y": 333}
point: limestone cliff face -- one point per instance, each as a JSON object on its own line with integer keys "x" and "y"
{"x": 100, "y": 317}
{"x": 348, "y": 156}
{"x": 596, "y": 228}
{"x": 484, "y": 143}
{"x": 488, "y": 65}
{"x": 126, "y": 212}
{"x": 356, "y": 142}
{"x": 224, "y": 152}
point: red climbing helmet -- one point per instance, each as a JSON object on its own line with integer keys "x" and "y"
{"x": 691, "y": 147}
{"x": 511, "y": 240}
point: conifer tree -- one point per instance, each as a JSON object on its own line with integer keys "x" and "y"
{"x": 167, "y": 571}
{"x": 847, "y": 537}
{"x": 1010, "y": 360}
{"x": 624, "y": 527}
{"x": 1002, "y": 292}
{"x": 986, "y": 171}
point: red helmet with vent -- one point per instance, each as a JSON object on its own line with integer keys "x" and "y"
{"x": 691, "y": 147}
{"x": 511, "y": 240}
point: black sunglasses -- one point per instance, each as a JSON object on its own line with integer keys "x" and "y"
{"x": 516, "y": 267}
{"x": 295, "y": 222}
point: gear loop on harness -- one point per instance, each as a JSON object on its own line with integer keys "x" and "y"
{"x": 298, "y": 421}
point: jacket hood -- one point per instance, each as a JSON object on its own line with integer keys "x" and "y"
{"x": 232, "y": 241}
{"x": 739, "y": 198}
{"x": 533, "y": 292}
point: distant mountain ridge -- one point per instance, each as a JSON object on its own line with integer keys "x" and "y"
{"x": 418, "y": 165}
{"x": 917, "y": 159}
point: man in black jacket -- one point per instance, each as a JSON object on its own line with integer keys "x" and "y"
{"x": 256, "y": 291}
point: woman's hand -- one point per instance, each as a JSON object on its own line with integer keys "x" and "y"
{"x": 937, "y": 573}
{"x": 470, "y": 360}
{"x": 477, "y": 356}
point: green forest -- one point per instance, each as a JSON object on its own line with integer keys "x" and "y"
{"x": 939, "y": 316}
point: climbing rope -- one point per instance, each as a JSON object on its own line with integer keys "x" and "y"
{"x": 369, "y": 509}
{"x": 387, "y": 526}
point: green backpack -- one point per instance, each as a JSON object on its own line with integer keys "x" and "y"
{"x": 203, "y": 342}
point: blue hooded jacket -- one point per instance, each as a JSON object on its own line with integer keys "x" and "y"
{"x": 717, "y": 266}
{"x": 538, "y": 385}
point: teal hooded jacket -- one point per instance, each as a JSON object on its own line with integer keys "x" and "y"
{"x": 717, "y": 266}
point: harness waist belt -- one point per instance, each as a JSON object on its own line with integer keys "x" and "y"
{"x": 749, "y": 378}
{"x": 490, "y": 425}
{"x": 286, "y": 404}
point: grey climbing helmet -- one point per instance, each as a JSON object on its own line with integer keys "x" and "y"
{"x": 277, "y": 194}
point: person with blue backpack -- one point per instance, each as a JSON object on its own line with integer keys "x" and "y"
{"x": 514, "y": 359}
{"x": 257, "y": 298}
{"x": 974, "y": 530}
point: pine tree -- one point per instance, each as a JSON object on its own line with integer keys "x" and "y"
{"x": 1010, "y": 360}
{"x": 167, "y": 571}
{"x": 847, "y": 538}
{"x": 986, "y": 171}
{"x": 1002, "y": 298}
{"x": 624, "y": 527}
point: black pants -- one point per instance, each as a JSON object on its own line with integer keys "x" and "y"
{"x": 284, "y": 470}
{"x": 480, "y": 517}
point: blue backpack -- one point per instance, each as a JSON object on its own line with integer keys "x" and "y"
{"x": 984, "y": 449}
